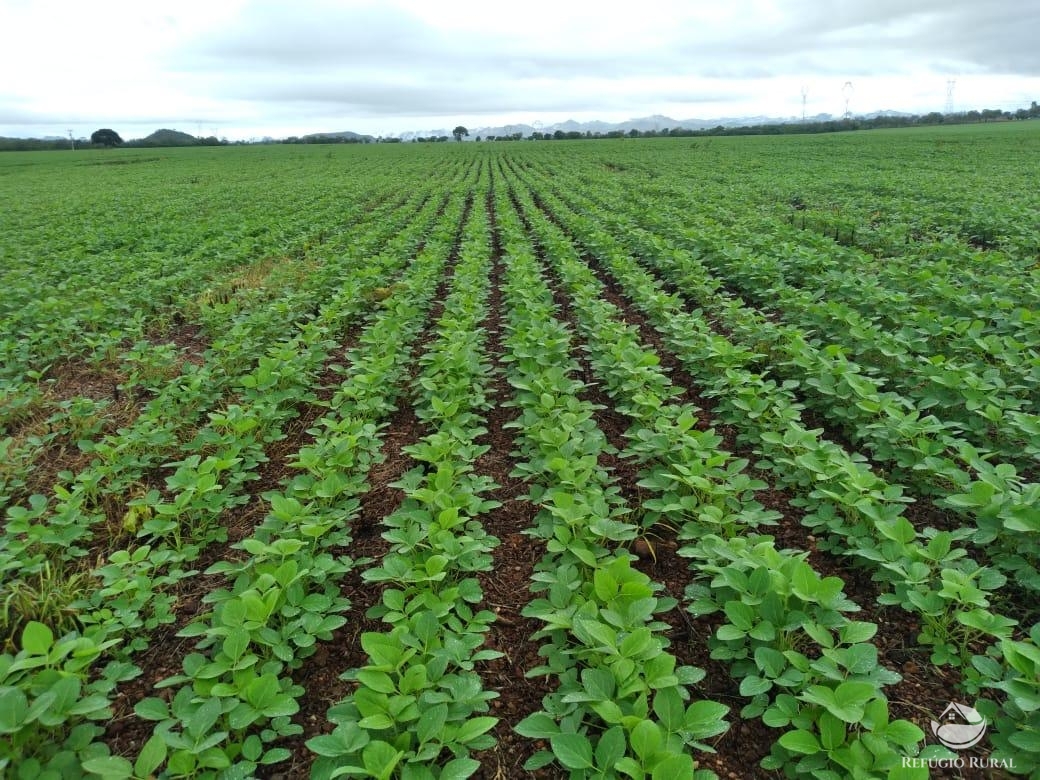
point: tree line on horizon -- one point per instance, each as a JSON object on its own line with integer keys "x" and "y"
{"x": 107, "y": 138}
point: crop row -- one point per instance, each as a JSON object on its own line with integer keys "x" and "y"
{"x": 416, "y": 710}
{"x": 621, "y": 702}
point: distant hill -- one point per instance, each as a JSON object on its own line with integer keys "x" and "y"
{"x": 167, "y": 137}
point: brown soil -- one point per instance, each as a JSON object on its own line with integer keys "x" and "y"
{"x": 507, "y": 586}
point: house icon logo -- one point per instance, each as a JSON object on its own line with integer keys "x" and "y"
{"x": 959, "y": 727}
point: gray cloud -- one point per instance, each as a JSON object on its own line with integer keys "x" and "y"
{"x": 318, "y": 58}
{"x": 404, "y": 61}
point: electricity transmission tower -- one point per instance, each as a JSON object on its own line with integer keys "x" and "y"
{"x": 846, "y": 92}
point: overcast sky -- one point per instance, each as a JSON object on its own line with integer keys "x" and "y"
{"x": 249, "y": 68}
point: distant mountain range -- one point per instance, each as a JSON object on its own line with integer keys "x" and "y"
{"x": 657, "y": 122}
{"x": 341, "y": 135}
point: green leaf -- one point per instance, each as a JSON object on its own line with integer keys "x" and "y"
{"x": 899, "y": 772}
{"x": 904, "y": 733}
{"x": 347, "y": 739}
{"x": 200, "y": 723}
{"x": 604, "y": 585}
{"x": 706, "y": 717}
{"x": 537, "y": 725}
{"x": 822, "y": 636}
{"x": 646, "y": 739}
{"x": 383, "y": 649}
{"x": 152, "y": 708}
{"x": 276, "y": 755}
{"x": 377, "y": 722}
{"x": 636, "y": 643}
{"x": 985, "y": 621}
{"x": 573, "y": 751}
{"x": 608, "y": 711}
{"x": 800, "y": 741}
{"x": 851, "y": 698}
{"x": 540, "y": 759}
{"x": 262, "y": 691}
{"x": 753, "y": 685}
{"x": 679, "y": 767}
{"x": 431, "y": 722}
{"x": 770, "y": 661}
{"x": 474, "y": 727}
{"x": 253, "y": 747}
{"x": 110, "y": 767}
{"x": 857, "y": 631}
{"x": 236, "y": 643}
{"x": 832, "y": 731}
{"x": 151, "y": 756}
{"x": 459, "y": 769}
{"x": 1028, "y": 741}
{"x": 37, "y": 638}
{"x": 327, "y": 745}
{"x": 668, "y": 705}
{"x": 741, "y": 615}
{"x": 13, "y": 708}
{"x": 775, "y": 718}
{"x": 728, "y": 633}
{"x": 629, "y": 766}
{"x": 610, "y": 747}
{"x": 598, "y": 683}
{"x": 598, "y": 632}
{"x": 861, "y": 659}
{"x": 805, "y": 582}
{"x": 377, "y": 681}
{"x": 380, "y": 758}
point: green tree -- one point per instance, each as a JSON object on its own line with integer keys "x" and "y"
{"x": 105, "y": 137}
{"x": 460, "y": 131}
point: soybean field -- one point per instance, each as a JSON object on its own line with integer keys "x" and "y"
{"x": 629, "y": 458}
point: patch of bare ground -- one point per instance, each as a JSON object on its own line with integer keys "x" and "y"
{"x": 78, "y": 378}
{"x": 61, "y": 425}
{"x": 79, "y": 402}
{"x": 187, "y": 337}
